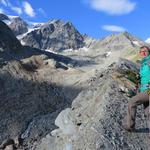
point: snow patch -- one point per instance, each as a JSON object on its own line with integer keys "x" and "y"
{"x": 108, "y": 53}
{"x": 136, "y": 43}
{"x": 22, "y": 42}
{"x": 8, "y": 22}
{"x": 148, "y": 40}
{"x": 84, "y": 49}
{"x": 19, "y": 37}
{"x": 35, "y": 24}
{"x": 50, "y": 50}
{"x": 68, "y": 50}
{"x": 76, "y": 50}
{"x": 12, "y": 17}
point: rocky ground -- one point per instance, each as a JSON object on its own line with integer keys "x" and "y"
{"x": 73, "y": 100}
{"x": 94, "y": 105}
{"x": 94, "y": 120}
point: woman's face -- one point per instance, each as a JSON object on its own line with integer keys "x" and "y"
{"x": 144, "y": 52}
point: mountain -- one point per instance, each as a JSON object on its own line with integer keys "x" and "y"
{"x": 75, "y": 98}
{"x": 8, "y": 41}
{"x": 117, "y": 42}
{"x": 18, "y": 26}
{"x": 55, "y": 35}
{"x": 11, "y": 46}
{"x": 107, "y": 50}
{"x": 3, "y": 17}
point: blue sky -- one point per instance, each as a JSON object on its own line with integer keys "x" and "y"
{"x": 97, "y": 18}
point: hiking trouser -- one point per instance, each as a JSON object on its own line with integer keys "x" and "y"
{"x": 140, "y": 98}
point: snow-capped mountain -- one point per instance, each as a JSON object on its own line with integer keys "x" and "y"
{"x": 55, "y": 35}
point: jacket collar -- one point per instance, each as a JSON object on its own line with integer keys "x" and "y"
{"x": 145, "y": 58}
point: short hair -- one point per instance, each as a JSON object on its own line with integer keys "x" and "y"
{"x": 146, "y": 48}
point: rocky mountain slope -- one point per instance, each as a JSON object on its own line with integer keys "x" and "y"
{"x": 105, "y": 51}
{"x": 31, "y": 86}
{"x": 83, "y": 92}
{"x": 3, "y": 17}
{"x": 8, "y": 41}
{"x": 94, "y": 120}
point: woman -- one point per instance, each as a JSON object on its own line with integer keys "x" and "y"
{"x": 143, "y": 96}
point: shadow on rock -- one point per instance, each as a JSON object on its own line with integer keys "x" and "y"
{"x": 22, "y": 98}
{"x": 142, "y": 130}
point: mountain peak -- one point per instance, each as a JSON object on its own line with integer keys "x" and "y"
{"x": 127, "y": 34}
{"x": 56, "y": 21}
{"x": 18, "y": 25}
{"x": 57, "y": 34}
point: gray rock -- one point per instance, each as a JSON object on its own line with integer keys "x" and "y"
{"x": 124, "y": 64}
{"x": 9, "y": 147}
{"x": 102, "y": 108}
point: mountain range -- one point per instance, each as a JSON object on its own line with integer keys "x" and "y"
{"x": 63, "y": 90}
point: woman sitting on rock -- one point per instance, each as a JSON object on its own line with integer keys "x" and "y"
{"x": 143, "y": 96}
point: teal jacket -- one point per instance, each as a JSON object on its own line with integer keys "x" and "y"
{"x": 145, "y": 73}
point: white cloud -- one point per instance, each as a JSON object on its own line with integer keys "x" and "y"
{"x": 28, "y": 9}
{"x": 7, "y": 3}
{"x": 148, "y": 40}
{"x": 1, "y": 11}
{"x": 113, "y": 28}
{"x": 113, "y": 7}
{"x": 4, "y": 2}
{"x": 41, "y": 10}
{"x": 17, "y": 10}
